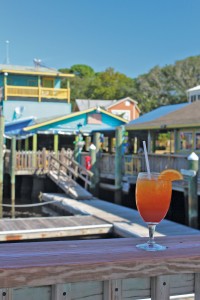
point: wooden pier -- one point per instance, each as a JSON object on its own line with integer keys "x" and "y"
{"x": 53, "y": 227}
{"x": 126, "y": 222}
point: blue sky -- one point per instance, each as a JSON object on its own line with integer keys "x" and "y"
{"x": 131, "y": 36}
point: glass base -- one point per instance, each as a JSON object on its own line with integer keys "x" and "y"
{"x": 151, "y": 247}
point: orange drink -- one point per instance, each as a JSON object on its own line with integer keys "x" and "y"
{"x": 153, "y": 196}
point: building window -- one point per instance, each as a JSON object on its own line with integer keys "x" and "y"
{"x": 197, "y": 141}
{"x": 127, "y": 103}
{"x": 186, "y": 141}
{"x": 198, "y": 97}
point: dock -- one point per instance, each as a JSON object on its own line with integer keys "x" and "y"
{"x": 52, "y": 227}
{"x": 92, "y": 218}
{"x": 126, "y": 221}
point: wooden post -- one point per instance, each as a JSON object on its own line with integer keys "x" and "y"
{"x": 5, "y": 86}
{"x": 153, "y": 142}
{"x": 55, "y": 146}
{"x": 39, "y": 89}
{"x": 160, "y": 288}
{"x": 76, "y": 152}
{"x": 34, "y": 149}
{"x": 149, "y": 142}
{"x": 68, "y": 91}
{"x": 27, "y": 144}
{"x": 1, "y": 160}
{"x": 12, "y": 175}
{"x": 176, "y": 141}
{"x": 118, "y": 165}
{"x": 44, "y": 158}
{"x": 193, "y": 164}
{"x": 19, "y": 145}
{"x": 97, "y": 165}
{"x": 93, "y": 168}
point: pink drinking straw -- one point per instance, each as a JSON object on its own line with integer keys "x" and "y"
{"x": 146, "y": 159}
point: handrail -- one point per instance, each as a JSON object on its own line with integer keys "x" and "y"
{"x": 29, "y": 161}
{"x": 107, "y": 269}
{"x": 71, "y": 167}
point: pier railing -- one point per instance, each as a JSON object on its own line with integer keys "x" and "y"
{"x": 111, "y": 269}
{"x": 30, "y": 162}
{"x": 132, "y": 164}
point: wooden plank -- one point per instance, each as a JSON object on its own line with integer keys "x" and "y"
{"x": 6, "y": 294}
{"x": 87, "y": 290}
{"x": 33, "y": 293}
{"x": 113, "y": 290}
{"x": 127, "y": 222}
{"x": 136, "y": 288}
{"x": 61, "y": 292}
{"x": 160, "y": 287}
{"x": 32, "y": 264}
{"x": 116, "y": 289}
{"x": 70, "y": 187}
{"x": 53, "y": 227}
{"x": 197, "y": 286}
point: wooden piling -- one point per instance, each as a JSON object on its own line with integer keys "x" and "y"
{"x": 118, "y": 165}
{"x": 193, "y": 164}
{"x": 55, "y": 144}
{"x": 97, "y": 164}
{"x": 93, "y": 168}
{"x": 12, "y": 175}
{"x": 1, "y": 159}
{"x": 76, "y": 154}
{"x": 34, "y": 162}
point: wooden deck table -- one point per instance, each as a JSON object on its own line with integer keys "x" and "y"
{"x": 108, "y": 269}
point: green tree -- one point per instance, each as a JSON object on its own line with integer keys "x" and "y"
{"x": 111, "y": 85}
{"x": 82, "y": 71}
{"x": 160, "y": 86}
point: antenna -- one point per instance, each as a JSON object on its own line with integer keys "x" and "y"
{"x": 37, "y": 62}
{"x": 7, "y": 53}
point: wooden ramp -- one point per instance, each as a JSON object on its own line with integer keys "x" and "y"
{"x": 52, "y": 227}
{"x": 126, "y": 222}
{"x": 70, "y": 186}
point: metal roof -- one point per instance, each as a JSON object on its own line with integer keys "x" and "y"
{"x": 157, "y": 113}
{"x": 32, "y": 70}
{"x": 84, "y": 104}
{"x": 196, "y": 88}
{"x": 186, "y": 117}
{"x": 15, "y": 127}
{"x": 35, "y": 109}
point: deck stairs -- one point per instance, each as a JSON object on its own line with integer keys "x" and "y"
{"x": 66, "y": 175}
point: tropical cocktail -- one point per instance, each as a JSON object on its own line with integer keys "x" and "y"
{"x": 153, "y": 196}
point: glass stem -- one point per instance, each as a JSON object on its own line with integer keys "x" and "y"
{"x": 151, "y": 228}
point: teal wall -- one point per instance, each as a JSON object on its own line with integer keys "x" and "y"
{"x": 22, "y": 80}
{"x": 70, "y": 125}
{"x": 25, "y": 80}
{"x": 1, "y": 80}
